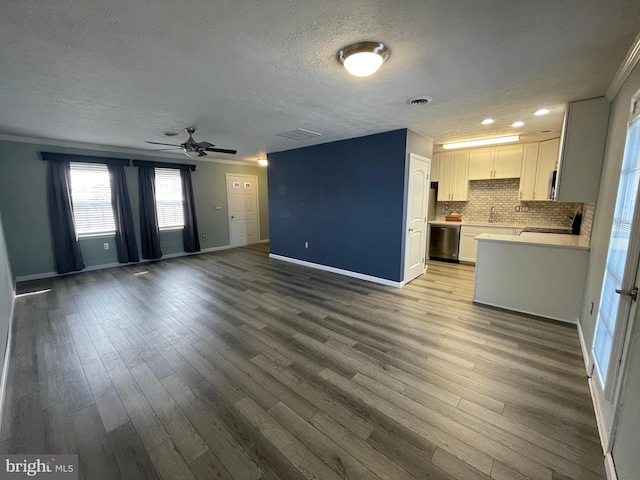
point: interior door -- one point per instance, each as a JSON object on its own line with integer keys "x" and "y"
{"x": 417, "y": 211}
{"x": 242, "y": 198}
{"x": 618, "y": 301}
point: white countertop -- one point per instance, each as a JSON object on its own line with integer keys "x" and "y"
{"x": 545, "y": 239}
{"x": 487, "y": 224}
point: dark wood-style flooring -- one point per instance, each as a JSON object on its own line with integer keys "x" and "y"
{"x": 229, "y": 365}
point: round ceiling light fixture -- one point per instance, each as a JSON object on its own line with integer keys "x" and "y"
{"x": 517, "y": 124}
{"x": 263, "y": 162}
{"x": 542, "y": 111}
{"x": 363, "y": 58}
{"x": 487, "y": 121}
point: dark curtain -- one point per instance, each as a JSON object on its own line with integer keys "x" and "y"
{"x": 66, "y": 248}
{"x": 126, "y": 245}
{"x": 190, "y": 232}
{"x": 149, "y": 231}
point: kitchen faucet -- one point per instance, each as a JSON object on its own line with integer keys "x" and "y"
{"x": 491, "y": 213}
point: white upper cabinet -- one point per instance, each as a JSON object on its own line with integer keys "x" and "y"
{"x": 528, "y": 171}
{"x": 538, "y": 161}
{"x": 435, "y": 167}
{"x": 453, "y": 176}
{"x": 481, "y": 163}
{"x": 582, "y": 151}
{"x": 495, "y": 162}
{"x": 547, "y": 162}
{"x": 507, "y": 161}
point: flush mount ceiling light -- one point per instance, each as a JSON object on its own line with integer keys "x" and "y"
{"x": 542, "y": 111}
{"x": 484, "y": 141}
{"x": 263, "y": 162}
{"x": 517, "y": 124}
{"x": 363, "y": 58}
{"x": 487, "y": 121}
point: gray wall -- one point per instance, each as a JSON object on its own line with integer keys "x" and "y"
{"x": 625, "y": 451}
{"x": 7, "y": 292}
{"x": 24, "y": 206}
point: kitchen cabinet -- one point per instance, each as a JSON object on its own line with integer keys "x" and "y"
{"x": 584, "y": 134}
{"x": 538, "y": 161}
{"x": 468, "y": 244}
{"x": 495, "y": 162}
{"x": 435, "y": 167}
{"x": 453, "y": 176}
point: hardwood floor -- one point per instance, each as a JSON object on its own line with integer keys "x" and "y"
{"x": 229, "y": 365}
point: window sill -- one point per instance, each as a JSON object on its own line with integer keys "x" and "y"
{"x": 96, "y": 235}
{"x": 171, "y": 229}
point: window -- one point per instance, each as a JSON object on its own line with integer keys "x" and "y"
{"x": 169, "y": 199}
{"x": 91, "y": 195}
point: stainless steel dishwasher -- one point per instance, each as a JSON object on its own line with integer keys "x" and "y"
{"x": 444, "y": 242}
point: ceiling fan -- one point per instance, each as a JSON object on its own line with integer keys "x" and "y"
{"x": 192, "y": 148}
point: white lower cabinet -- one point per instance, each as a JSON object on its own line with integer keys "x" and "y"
{"x": 469, "y": 246}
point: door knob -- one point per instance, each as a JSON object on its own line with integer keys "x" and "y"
{"x": 633, "y": 293}
{"x": 232, "y": 216}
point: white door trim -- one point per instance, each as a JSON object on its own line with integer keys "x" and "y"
{"x": 255, "y": 182}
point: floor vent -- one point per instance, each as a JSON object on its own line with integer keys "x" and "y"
{"x": 300, "y": 134}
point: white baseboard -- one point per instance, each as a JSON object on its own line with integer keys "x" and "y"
{"x": 527, "y": 312}
{"x": 602, "y": 430}
{"x": 40, "y": 276}
{"x": 266, "y": 240}
{"x": 7, "y": 357}
{"x": 585, "y": 350}
{"x": 610, "y": 468}
{"x": 348, "y": 273}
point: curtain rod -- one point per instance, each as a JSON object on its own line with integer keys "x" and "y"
{"x": 69, "y": 157}
{"x": 180, "y": 166}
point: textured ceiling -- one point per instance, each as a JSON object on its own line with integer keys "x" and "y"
{"x": 117, "y": 73}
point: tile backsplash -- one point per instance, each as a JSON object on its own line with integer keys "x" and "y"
{"x": 503, "y": 195}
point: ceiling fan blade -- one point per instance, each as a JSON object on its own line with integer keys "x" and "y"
{"x": 158, "y": 143}
{"x": 205, "y": 144}
{"x": 164, "y": 149}
{"x": 201, "y": 153}
{"x": 221, "y": 150}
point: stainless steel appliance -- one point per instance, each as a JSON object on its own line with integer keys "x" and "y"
{"x": 444, "y": 242}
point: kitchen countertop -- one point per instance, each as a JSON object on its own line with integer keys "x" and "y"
{"x": 487, "y": 224}
{"x": 545, "y": 239}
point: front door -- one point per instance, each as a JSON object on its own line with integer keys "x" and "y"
{"x": 242, "y": 198}
{"x": 618, "y": 302}
{"x": 416, "y": 224}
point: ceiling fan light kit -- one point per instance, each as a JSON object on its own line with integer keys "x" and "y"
{"x": 193, "y": 149}
{"x": 363, "y": 58}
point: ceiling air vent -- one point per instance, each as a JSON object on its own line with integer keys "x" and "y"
{"x": 299, "y": 134}
{"x": 422, "y": 100}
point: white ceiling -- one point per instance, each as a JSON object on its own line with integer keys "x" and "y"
{"x": 119, "y": 72}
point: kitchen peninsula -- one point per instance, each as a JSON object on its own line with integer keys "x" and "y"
{"x": 537, "y": 273}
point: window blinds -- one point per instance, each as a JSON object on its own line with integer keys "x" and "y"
{"x": 169, "y": 198}
{"x": 91, "y": 195}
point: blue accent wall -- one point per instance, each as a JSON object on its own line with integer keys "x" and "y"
{"x": 346, "y": 199}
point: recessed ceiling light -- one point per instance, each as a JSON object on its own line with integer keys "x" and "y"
{"x": 542, "y": 111}
{"x": 487, "y": 121}
{"x": 363, "y": 58}
{"x": 484, "y": 141}
{"x": 517, "y": 124}
{"x": 263, "y": 162}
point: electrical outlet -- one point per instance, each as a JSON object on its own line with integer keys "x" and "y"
{"x": 524, "y": 208}
{"x": 204, "y": 235}
{"x": 105, "y": 245}
{"x": 306, "y": 244}
{"x": 218, "y": 207}
{"x": 517, "y": 208}
{"x": 446, "y": 206}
